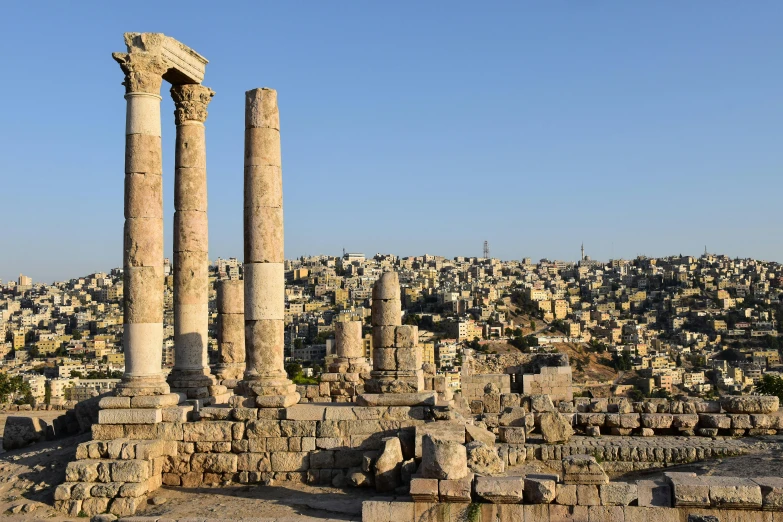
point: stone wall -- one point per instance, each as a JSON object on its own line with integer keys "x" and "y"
{"x": 473, "y": 385}
{"x": 554, "y": 381}
{"x": 307, "y": 443}
{"x": 585, "y": 496}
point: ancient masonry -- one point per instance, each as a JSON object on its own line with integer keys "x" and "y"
{"x": 394, "y": 426}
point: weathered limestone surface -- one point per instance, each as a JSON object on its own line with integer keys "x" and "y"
{"x": 143, "y": 245}
{"x": 265, "y": 377}
{"x": 231, "y": 329}
{"x": 191, "y": 372}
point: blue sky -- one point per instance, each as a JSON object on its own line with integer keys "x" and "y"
{"x": 414, "y": 127}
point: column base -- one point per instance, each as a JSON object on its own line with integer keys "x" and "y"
{"x": 349, "y": 365}
{"x": 273, "y": 392}
{"x": 230, "y": 372}
{"x": 142, "y": 386}
{"x": 411, "y": 381}
{"x": 397, "y": 399}
{"x": 196, "y": 384}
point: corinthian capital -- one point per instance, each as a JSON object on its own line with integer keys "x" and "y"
{"x": 143, "y": 71}
{"x": 190, "y": 102}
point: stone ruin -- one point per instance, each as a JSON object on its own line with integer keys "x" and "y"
{"x": 392, "y": 425}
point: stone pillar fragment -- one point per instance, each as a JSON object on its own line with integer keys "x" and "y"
{"x": 191, "y": 373}
{"x": 348, "y": 371}
{"x": 265, "y": 379}
{"x": 230, "y": 331}
{"x": 143, "y": 240}
{"x": 396, "y": 354}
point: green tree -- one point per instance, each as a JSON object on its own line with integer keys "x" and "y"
{"x": 532, "y": 325}
{"x": 770, "y": 385}
{"x": 293, "y": 369}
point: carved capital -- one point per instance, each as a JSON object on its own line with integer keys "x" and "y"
{"x": 190, "y": 102}
{"x": 143, "y": 71}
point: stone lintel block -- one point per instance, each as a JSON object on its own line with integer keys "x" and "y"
{"x": 130, "y": 416}
{"x": 264, "y": 291}
{"x": 264, "y": 235}
{"x": 208, "y": 431}
{"x": 143, "y": 195}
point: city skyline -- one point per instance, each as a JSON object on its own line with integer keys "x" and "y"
{"x": 607, "y": 133}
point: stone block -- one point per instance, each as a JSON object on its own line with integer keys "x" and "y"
{"x": 130, "y": 416}
{"x": 512, "y": 435}
{"x": 688, "y": 490}
{"x": 114, "y": 403}
{"x": 298, "y": 428}
{"x": 618, "y": 494}
{"x": 657, "y": 420}
{"x": 443, "y": 459}
{"x": 733, "y": 493}
{"x": 567, "y": 513}
{"x": 605, "y": 514}
{"x": 710, "y": 420}
{"x": 457, "y": 491}
{"x": 424, "y": 490}
{"x": 214, "y": 462}
{"x": 653, "y": 493}
{"x": 540, "y": 489}
{"x": 263, "y": 429}
{"x": 130, "y": 471}
{"x": 479, "y": 434}
{"x": 750, "y": 404}
{"x": 209, "y": 431}
{"x": 444, "y": 431}
{"x": 290, "y": 461}
{"x": 406, "y": 336}
{"x": 566, "y": 495}
{"x": 501, "y": 490}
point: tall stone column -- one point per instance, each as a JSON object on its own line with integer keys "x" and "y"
{"x": 143, "y": 243}
{"x": 191, "y": 373}
{"x": 230, "y": 331}
{"x": 265, "y": 376}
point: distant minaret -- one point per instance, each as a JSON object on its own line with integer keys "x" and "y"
{"x": 583, "y": 252}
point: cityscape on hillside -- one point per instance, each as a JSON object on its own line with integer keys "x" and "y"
{"x": 646, "y": 327}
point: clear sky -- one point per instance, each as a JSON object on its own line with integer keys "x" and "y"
{"x": 414, "y": 127}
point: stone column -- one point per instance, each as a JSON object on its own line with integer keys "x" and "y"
{"x": 191, "y": 373}
{"x": 396, "y": 378}
{"x": 230, "y": 331}
{"x": 350, "y": 348}
{"x": 143, "y": 243}
{"x": 265, "y": 376}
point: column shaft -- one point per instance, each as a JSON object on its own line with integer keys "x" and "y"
{"x": 265, "y": 376}
{"x": 230, "y": 330}
{"x": 191, "y": 244}
{"x": 143, "y": 237}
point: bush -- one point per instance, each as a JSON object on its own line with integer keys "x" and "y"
{"x": 770, "y": 385}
